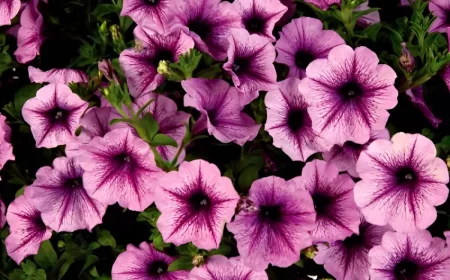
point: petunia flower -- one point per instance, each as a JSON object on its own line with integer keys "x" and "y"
{"x": 349, "y": 94}
{"x": 332, "y": 194}
{"x": 119, "y": 167}
{"x": 302, "y": 41}
{"x": 54, "y": 115}
{"x": 410, "y": 256}
{"x": 323, "y": 4}
{"x": 2, "y": 214}
{"x": 209, "y": 23}
{"x": 27, "y": 230}
{"x": 145, "y": 263}
{"x": 8, "y": 10}
{"x": 221, "y": 113}
{"x": 259, "y": 16}
{"x": 447, "y": 237}
{"x": 277, "y": 230}
{"x": 195, "y": 203}
{"x": 368, "y": 19}
{"x": 95, "y": 122}
{"x": 6, "y": 149}
{"x": 218, "y": 267}
{"x": 289, "y": 124}
{"x": 141, "y": 11}
{"x": 250, "y": 64}
{"x": 405, "y": 2}
{"x": 346, "y": 156}
{"x": 348, "y": 259}
{"x": 63, "y": 76}
{"x": 401, "y": 182}
{"x": 60, "y": 195}
{"x": 440, "y": 9}
{"x": 416, "y": 97}
{"x": 29, "y": 37}
{"x": 140, "y": 63}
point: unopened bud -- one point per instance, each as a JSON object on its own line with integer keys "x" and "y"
{"x": 198, "y": 260}
{"x": 407, "y": 61}
{"x": 163, "y": 67}
{"x": 310, "y": 252}
{"x": 115, "y": 33}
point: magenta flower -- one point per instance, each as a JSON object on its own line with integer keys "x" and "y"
{"x": 145, "y": 263}
{"x": 416, "y": 97}
{"x": 220, "y": 268}
{"x": 95, "y": 122}
{"x": 447, "y": 237}
{"x": 6, "y": 149}
{"x": 250, "y": 64}
{"x": 141, "y": 11}
{"x": 289, "y": 124}
{"x": 119, "y": 167}
{"x": 410, "y": 256}
{"x": 369, "y": 19}
{"x": 195, "y": 203}
{"x": 171, "y": 122}
{"x": 8, "y": 10}
{"x": 346, "y": 156}
{"x": 140, "y": 63}
{"x": 27, "y": 230}
{"x": 401, "y": 182}
{"x": 349, "y": 94}
{"x": 349, "y": 259}
{"x": 405, "y": 2}
{"x": 54, "y": 115}
{"x": 441, "y": 10}
{"x": 2, "y": 214}
{"x": 259, "y": 16}
{"x": 220, "y": 110}
{"x": 332, "y": 194}
{"x": 209, "y": 23}
{"x": 276, "y": 229}
{"x": 323, "y": 4}
{"x": 59, "y": 194}
{"x": 63, "y": 76}
{"x": 29, "y": 37}
{"x": 302, "y": 41}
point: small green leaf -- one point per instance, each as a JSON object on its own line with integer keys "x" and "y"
{"x": 104, "y": 9}
{"x": 16, "y": 181}
{"x": 65, "y": 267}
{"x": 163, "y": 140}
{"x": 46, "y": 257}
{"x": 29, "y": 267}
{"x": 16, "y": 274}
{"x": 90, "y": 260}
{"x": 23, "y": 94}
{"x": 147, "y": 127}
{"x": 40, "y": 275}
{"x": 92, "y": 246}
{"x": 105, "y": 238}
{"x": 224, "y": 250}
{"x": 372, "y": 31}
{"x": 248, "y": 176}
{"x": 300, "y": 263}
{"x": 93, "y": 272}
{"x": 211, "y": 72}
{"x": 182, "y": 263}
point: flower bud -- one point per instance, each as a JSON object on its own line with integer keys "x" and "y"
{"x": 407, "y": 61}
{"x": 198, "y": 260}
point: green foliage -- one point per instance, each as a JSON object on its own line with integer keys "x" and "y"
{"x": 182, "y": 69}
{"x": 46, "y": 257}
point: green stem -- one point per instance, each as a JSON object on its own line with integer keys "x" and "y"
{"x": 416, "y": 83}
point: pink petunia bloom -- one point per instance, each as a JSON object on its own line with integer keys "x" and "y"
{"x": 29, "y": 37}
{"x": 218, "y": 267}
{"x": 156, "y": 11}
{"x": 221, "y": 113}
{"x": 250, "y": 64}
{"x": 276, "y": 229}
{"x": 60, "y": 195}
{"x": 259, "y": 16}
{"x": 95, "y": 122}
{"x": 349, "y": 259}
{"x": 302, "y": 41}
{"x": 323, "y": 4}
{"x": 145, "y": 263}
{"x": 410, "y": 256}
{"x": 2, "y": 214}
{"x": 332, "y": 194}
{"x": 289, "y": 124}
{"x": 402, "y": 182}
{"x": 53, "y": 76}
{"x": 54, "y": 115}
{"x": 8, "y": 10}
{"x": 349, "y": 94}
{"x": 369, "y": 19}
{"x": 447, "y": 237}
{"x": 346, "y": 156}
{"x": 27, "y": 230}
{"x": 209, "y": 23}
{"x": 416, "y": 97}
{"x": 6, "y": 149}
{"x": 195, "y": 203}
{"x": 440, "y": 9}
{"x": 140, "y": 64}
{"x": 119, "y": 167}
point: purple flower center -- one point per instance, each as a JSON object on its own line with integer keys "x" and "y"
{"x": 254, "y": 24}
{"x": 57, "y": 115}
{"x": 212, "y": 116}
{"x": 350, "y": 90}
{"x": 296, "y": 119}
{"x": 199, "y": 27}
{"x": 354, "y": 241}
{"x": 240, "y": 65}
{"x": 123, "y": 158}
{"x": 39, "y": 223}
{"x": 162, "y": 54}
{"x": 405, "y": 270}
{"x": 321, "y": 202}
{"x": 352, "y": 145}
{"x": 303, "y": 59}
{"x": 270, "y": 213}
{"x": 199, "y": 201}
{"x": 73, "y": 183}
{"x": 152, "y": 2}
{"x": 405, "y": 175}
{"x": 157, "y": 268}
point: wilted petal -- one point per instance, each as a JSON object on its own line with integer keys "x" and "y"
{"x": 53, "y": 76}
{"x": 368, "y": 19}
{"x": 416, "y": 97}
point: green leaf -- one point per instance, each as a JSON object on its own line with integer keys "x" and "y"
{"x": 16, "y": 274}
{"x": 159, "y": 243}
{"x": 163, "y": 140}
{"x": 16, "y": 181}
{"x": 372, "y": 31}
{"x": 147, "y": 127}
{"x": 105, "y": 238}
{"x": 40, "y": 275}
{"x": 90, "y": 260}
{"x": 211, "y": 72}
{"x": 93, "y": 272}
{"x": 150, "y": 215}
{"x": 65, "y": 267}
{"x": 46, "y": 257}
{"x": 23, "y": 94}
{"x": 104, "y": 9}
{"x": 300, "y": 263}
{"x": 29, "y": 267}
{"x": 182, "y": 263}
{"x": 445, "y": 144}
{"x": 223, "y": 250}
{"x": 248, "y": 176}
